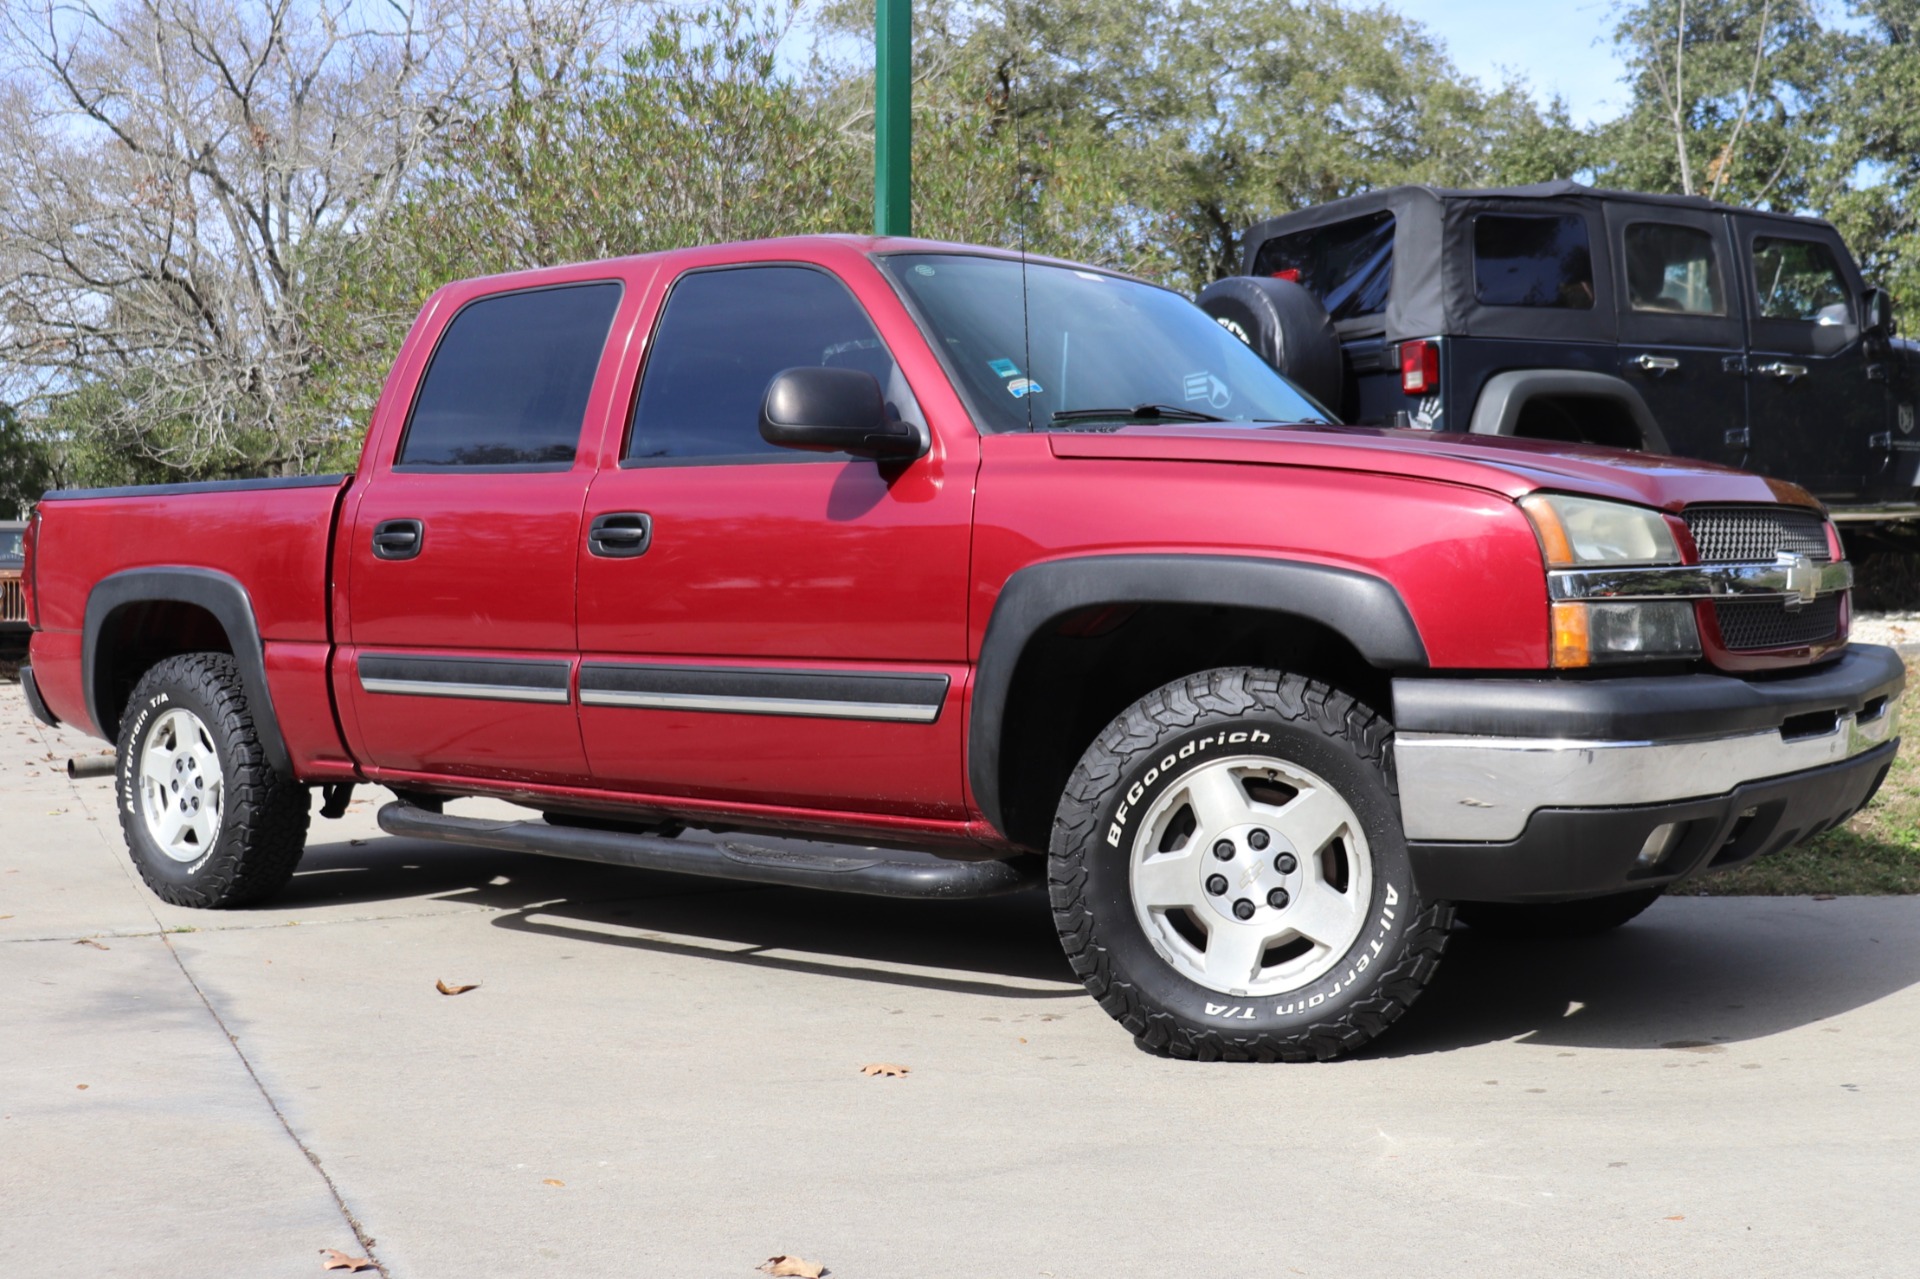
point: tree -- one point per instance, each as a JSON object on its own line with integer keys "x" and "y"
{"x": 1731, "y": 99}
{"x": 181, "y": 173}
{"x": 26, "y": 466}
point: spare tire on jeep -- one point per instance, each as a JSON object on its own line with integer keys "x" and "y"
{"x": 1286, "y": 326}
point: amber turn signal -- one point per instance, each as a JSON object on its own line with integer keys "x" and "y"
{"x": 1571, "y": 644}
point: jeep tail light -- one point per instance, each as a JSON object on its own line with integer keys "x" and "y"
{"x": 1291, "y": 275}
{"x": 1420, "y": 367}
{"x": 28, "y": 541}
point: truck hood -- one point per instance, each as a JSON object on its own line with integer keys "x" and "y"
{"x": 1494, "y": 463}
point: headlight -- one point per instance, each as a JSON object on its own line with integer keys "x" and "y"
{"x": 1597, "y": 633}
{"x": 1579, "y": 531}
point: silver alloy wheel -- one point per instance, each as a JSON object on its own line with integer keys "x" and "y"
{"x": 1251, "y": 875}
{"x": 182, "y": 788}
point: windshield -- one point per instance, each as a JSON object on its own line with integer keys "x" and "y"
{"x": 1089, "y": 342}
{"x": 10, "y": 545}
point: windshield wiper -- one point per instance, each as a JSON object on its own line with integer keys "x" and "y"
{"x": 1167, "y": 412}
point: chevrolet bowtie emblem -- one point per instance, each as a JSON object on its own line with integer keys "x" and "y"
{"x": 1803, "y": 580}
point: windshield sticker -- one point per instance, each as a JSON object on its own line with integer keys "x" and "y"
{"x": 1205, "y": 386}
{"x": 923, "y": 269}
{"x": 1005, "y": 368}
{"x": 1021, "y": 387}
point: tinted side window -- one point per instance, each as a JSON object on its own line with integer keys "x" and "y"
{"x": 1799, "y": 280}
{"x": 1348, "y": 266}
{"x": 723, "y": 337}
{"x": 509, "y": 382}
{"x": 1532, "y": 259}
{"x": 1672, "y": 268}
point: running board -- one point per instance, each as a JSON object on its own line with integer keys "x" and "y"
{"x": 843, "y": 868}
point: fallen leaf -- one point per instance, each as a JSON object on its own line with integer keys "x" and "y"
{"x": 785, "y": 1265}
{"x": 6, "y": 916}
{"x": 88, "y": 941}
{"x": 552, "y": 1181}
{"x": 334, "y": 1259}
{"x": 1823, "y": 897}
{"x": 81, "y": 1087}
{"x": 1676, "y": 1219}
{"x": 445, "y": 989}
{"x": 887, "y": 1068}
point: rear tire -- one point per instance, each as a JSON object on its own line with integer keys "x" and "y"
{"x": 1229, "y": 876}
{"x": 208, "y": 821}
{"x": 1584, "y": 918}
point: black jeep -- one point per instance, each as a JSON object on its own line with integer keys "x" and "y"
{"x": 1665, "y": 323}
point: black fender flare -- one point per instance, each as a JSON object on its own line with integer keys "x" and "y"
{"x": 1366, "y": 610}
{"x": 222, "y": 596}
{"x": 1497, "y": 411}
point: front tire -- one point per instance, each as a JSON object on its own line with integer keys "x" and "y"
{"x": 1229, "y": 876}
{"x": 208, "y": 821}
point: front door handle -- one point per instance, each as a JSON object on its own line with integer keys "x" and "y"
{"x": 1654, "y": 365}
{"x": 1783, "y": 370}
{"x": 398, "y": 539}
{"x": 620, "y": 535}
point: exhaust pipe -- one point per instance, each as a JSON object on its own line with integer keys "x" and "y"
{"x": 93, "y": 766}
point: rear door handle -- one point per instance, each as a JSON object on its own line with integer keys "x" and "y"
{"x": 620, "y": 535}
{"x": 398, "y": 539}
{"x": 1655, "y": 364}
{"x": 1780, "y": 369}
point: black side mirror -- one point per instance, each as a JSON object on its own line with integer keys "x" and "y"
{"x": 835, "y": 411}
{"x": 1876, "y": 313}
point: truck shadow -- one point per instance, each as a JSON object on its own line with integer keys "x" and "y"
{"x": 1003, "y": 946}
{"x": 1693, "y": 973}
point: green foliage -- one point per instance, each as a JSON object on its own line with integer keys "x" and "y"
{"x": 26, "y": 465}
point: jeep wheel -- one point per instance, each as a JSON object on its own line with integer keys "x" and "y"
{"x": 1557, "y": 919}
{"x": 208, "y": 821}
{"x": 1229, "y": 876}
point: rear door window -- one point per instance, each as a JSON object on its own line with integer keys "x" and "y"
{"x": 723, "y": 337}
{"x": 1799, "y": 280}
{"x": 1348, "y": 265}
{"x": 1672, "y": 269}
{"x": 509, "y": 382}
{"x": 1533, "y": 259}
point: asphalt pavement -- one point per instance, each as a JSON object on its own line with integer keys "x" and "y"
{"x": 660, "y": 1076}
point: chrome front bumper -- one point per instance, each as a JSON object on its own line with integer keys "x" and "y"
{"x": 1477, "y": 758}
{"x": 1484, "y": 789}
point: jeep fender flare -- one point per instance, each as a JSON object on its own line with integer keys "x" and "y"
{"x": 223, "y": 597}
{"x": 1363, "y": 609}
{"x": 1505, "y": 394}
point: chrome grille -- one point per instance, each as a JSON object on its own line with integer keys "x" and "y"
{"x": 1755, "y": 534}
{"x": 1767, "y": 623}
{"x": 13, "y": 604}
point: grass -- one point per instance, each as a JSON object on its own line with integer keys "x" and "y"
{"x": 1878, "y": 852}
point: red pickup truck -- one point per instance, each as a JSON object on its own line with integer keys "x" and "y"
{"x": 924, "y": 570}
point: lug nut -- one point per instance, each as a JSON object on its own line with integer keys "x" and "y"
{"x": 1243, "y": 909}
{"x": 1286, "y": 863}
{"x": 1224, "y": 850}
{"x": 1259, "y": 839}
{"x": 1217, "y": 885}
{"x": 1278, "y": 899}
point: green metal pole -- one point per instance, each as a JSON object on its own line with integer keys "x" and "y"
{"x": 893, "y": 117}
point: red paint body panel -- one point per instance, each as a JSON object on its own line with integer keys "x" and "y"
{"x": 813, "y": 565}
{"x": 1464, "y": 559}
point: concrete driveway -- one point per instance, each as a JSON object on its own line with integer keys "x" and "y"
{"x": 659, "y": 1077}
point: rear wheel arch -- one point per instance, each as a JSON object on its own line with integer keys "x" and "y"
{"x": 1039, "y": 697}
{"x": 142, "y": 616}
{"x": 1587, "y": 407}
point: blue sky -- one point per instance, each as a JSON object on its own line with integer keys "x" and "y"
{"x": 1559, "y": 48}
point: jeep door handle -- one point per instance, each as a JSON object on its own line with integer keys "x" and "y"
{"x": 620, "y": 535}
{"x": 398, "y": 539}
{"x": 1780, "y": 369}
{"x": 1654, "y": 365}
